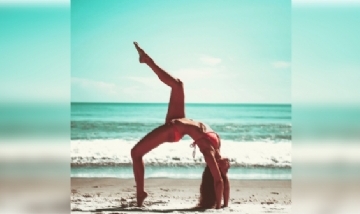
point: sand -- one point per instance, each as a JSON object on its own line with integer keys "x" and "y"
{"x": 113, "y": 195}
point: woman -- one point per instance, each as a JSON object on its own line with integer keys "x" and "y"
{"x": 175, "y": 127}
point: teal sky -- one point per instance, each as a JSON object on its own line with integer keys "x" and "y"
{"x": 225, "y": 52}
{"x": 234, "y": 52}
{"x": 326, "y": 52}
{"x": 34, "y": 52}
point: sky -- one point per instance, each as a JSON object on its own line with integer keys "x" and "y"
{"x": 326, "y": 52}
{"x": 233, "y": 52}
{"x": 34, "y": 51}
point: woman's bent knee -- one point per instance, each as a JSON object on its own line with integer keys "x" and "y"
{"x": 178, "y": 86}
{"x": 134, "y": 153}
{"x": 179, "y": 83}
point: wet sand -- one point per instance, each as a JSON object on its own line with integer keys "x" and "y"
{"x": 113, "y": 195}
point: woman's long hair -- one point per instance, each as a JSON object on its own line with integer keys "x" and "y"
{"x": 207, "y": 197}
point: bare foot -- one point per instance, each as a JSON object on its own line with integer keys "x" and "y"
{"x": 140, "y": 198}
{"x": 143, "y": 57}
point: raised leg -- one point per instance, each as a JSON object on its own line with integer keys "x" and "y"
{"x": 176, "y": 107}
{"x": 152, "y": 140}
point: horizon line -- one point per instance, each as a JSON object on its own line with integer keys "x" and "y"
{"x": 185, "y": 103}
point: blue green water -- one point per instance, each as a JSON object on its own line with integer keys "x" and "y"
{"x": 132, "y": 120}
{"x": 256, "y": 138}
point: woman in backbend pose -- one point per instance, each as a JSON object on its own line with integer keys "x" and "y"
{"x": 215, "y": 183}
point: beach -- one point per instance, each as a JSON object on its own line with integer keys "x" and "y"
{"x": 115, "y": 195}
{"x": 255, "y": 137}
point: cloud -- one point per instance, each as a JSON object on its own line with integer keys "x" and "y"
{"x": 148, "y": 81}
{"x": 281, "y": 64}
{"x": 109, "y": 88}
{"x": 132, "y": 90}
{"x": 195, "y": 74}
{"x": 208, "y": 60}
{"x": 191, "y": 72}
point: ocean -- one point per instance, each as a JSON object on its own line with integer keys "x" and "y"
{"x": 255, "y": 137}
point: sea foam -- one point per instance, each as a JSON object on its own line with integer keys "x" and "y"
{"x": 241, "y": 154}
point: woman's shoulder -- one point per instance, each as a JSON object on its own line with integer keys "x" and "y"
{"x": 188, "y": 121}
{"x": 205, "y": 127}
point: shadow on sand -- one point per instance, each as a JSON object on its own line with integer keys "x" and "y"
{"x": 194, "y": 209}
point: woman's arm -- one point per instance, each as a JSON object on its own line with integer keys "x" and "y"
{"x": 215, "y": 171}
{"x": 226, "y": 191}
